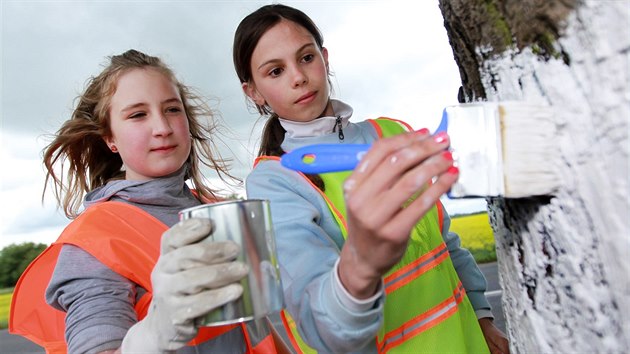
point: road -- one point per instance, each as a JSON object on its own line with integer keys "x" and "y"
{"x": 493, "y": 293}
{"x": 11, "y": 344}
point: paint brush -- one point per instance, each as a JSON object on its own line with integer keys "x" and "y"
{"x": 502, "y": 149}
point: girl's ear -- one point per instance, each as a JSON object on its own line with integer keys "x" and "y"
{"x": 109, "y": 141}
{"x": 251, "y": 92}
{"x": 325, "y": 55}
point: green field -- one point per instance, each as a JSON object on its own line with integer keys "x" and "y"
{"x": 474, "y": 230}
{"x": 476, "y": 235}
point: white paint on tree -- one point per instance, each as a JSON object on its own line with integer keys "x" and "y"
{"x": 565, "y": 268}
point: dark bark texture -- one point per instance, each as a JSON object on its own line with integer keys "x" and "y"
{"x": 479, "y": 29}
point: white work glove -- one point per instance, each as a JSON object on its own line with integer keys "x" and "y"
{"x": 189, "y": 280}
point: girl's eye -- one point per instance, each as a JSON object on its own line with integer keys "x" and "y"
{"x": 137, "y": 115}
{"x": 275, "y": 72}
{"x": 173, "y": 109}
{"x": 308, "y": 58}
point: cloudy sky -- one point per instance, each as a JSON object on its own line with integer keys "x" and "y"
{"x": 389, "y": 58}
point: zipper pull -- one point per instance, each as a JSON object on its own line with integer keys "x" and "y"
{"x": 338, "y": 124}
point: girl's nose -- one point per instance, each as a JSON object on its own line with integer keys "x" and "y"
{"x": 161, "y": 125}
{"x": 299, "y": 78}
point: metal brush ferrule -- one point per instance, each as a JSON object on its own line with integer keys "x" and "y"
{"x": 475, "y": 133}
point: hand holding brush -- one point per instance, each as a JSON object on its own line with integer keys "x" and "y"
{"x": 389, "y": 174}
{"x": 501, "y": 149}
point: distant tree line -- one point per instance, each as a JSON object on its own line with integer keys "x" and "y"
{"x": 14, "y": 259}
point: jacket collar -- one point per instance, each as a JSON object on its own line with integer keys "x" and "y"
{"x": 319, "y": 126}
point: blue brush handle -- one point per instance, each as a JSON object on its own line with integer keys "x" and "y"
{"x": 333, "y": 157}
{"x": 325, "y": 157}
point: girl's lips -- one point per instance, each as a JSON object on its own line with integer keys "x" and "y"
{"x": 306, "y": 98}
{"x": 164, "y": 148}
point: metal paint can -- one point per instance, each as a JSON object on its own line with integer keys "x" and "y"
{"x": 247, "y": 223}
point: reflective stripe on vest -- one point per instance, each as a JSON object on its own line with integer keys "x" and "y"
{"x": 423, "y": 322}
{"x": 407, "y": 273}
{"x": 426, "y": 307}
{"x": 124, "y": 238}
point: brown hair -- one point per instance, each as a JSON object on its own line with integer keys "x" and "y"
{"x": 91, "y": 164}
{"x": 247, "y": 35}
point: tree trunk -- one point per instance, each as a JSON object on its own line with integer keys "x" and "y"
{"x": 564, "y": 260}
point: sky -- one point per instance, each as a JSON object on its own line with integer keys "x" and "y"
{"x": 389, "y": 58}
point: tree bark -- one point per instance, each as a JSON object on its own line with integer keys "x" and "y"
{"x": 564, "y": 259}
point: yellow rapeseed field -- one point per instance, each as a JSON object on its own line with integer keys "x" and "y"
{"x": 476, "y": 235}
{"x": 5, "y": 303}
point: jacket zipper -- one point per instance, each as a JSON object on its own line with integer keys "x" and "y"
{"x": 338, "y": 124}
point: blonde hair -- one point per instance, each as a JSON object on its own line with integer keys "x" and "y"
{"x": 91, "y": 164}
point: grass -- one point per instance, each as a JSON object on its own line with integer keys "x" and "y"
{"x": 474, "y": 231}
{"x": 476, "y": 235}
{"x": 5, "y": 304}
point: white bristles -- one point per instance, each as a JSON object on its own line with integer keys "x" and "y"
{"x": 503, "y": 149}
{"x": 530, "y": 153}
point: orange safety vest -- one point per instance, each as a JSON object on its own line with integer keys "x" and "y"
{"x": 127, "y": 240}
